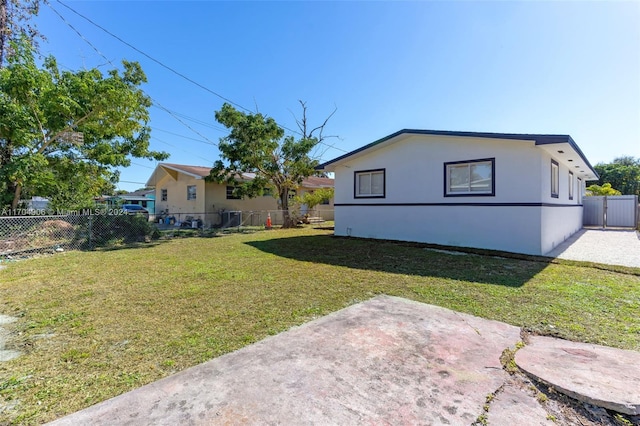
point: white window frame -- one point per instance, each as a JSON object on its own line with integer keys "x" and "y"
{"x": 491, "y": 192}
{"x": 555, "y": 179}
{"x": 571, "y": 185}
{"x": 164, "y": 194}
{"x": 191, "y": 192}
{"x": 360, "y": 174}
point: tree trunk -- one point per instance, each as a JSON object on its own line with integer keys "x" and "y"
{"x": 284, "y": 205}
{"x": 16, "y": 196}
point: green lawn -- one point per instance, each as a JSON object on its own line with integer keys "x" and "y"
{"x": 96, "y": 324}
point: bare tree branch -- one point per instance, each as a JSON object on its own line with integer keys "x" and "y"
{"x": 321, "y": 127}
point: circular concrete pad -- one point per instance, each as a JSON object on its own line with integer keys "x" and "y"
{"x": 602, "y": 376}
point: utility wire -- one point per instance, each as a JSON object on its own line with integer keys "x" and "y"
{"x": 153, "y": 59}
{"x": 156, "y": 103}
{"x": 142, "y": 165}
{"x": 128, "y": 181}
{"x": 183, "y": 123}
{"x": 180, "y": 136}
{"x": 198, "y": 121}
{"x": 173, "y": 146}
{"x": 177, "y": 72}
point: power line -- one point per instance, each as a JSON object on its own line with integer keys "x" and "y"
{"x": 173, "y": 146}
{"x": 128, "y": 181}
{"x": 183, "y": 123}
{"x": 152, "y": 58}
{"x": 177, "y": 72}
{"x": 112, "y": 64}
{"x": 142, "y": 165}
{"x": 198, "y": 121}
{"x": 181, "y": 136}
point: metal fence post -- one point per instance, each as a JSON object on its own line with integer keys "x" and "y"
{"x": 90, "y": 230}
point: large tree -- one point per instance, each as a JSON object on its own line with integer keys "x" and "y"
{"x": 63, "y": 133}
{"x": 623, "y": 174}
{"x": 256, "y": 144}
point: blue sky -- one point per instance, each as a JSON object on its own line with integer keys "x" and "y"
{"x": 521, "y": 67}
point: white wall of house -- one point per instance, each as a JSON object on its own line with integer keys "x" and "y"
{"x": 414, "y": 174}
{"x": 558, "y": 224}
{"x": 415, "y": 169}
{"x": 513, "y": 229}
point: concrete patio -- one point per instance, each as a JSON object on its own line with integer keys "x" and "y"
{"x": 384, "y": 361}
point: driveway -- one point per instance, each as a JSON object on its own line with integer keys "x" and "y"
{"x": 609, "y": 246}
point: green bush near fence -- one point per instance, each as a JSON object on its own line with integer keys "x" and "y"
{"x": 104, "y": 231}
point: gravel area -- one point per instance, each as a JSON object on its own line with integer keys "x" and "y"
{"x": 609, "y": 246}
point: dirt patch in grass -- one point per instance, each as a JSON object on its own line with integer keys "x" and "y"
{"x": 93, "y": 325}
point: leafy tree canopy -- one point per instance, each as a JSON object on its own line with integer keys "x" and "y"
{"x": 257, "y": 145}
{"x": 605, "y": 189}
{"x": 623, "y": 173}
{"x": 15, "y": 24}
{"x": 312, "y": 199}
{"x": 62, "y": 133}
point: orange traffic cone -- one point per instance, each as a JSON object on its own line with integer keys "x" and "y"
{"x": 268, "y": 226}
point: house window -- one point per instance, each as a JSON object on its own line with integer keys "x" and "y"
{"x": 571, "y": 185}
{"x": 163, "y": 195}
{"x": 369, "y": 184}
{"x": 191, "y": 192}
{"x": 469, "y": 178}
{"x": 230, "y": 194}
{"x": 555, "y": 179}
{"x": 579, "y": 191}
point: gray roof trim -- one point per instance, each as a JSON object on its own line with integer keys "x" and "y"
{"x": 538, "y": 139}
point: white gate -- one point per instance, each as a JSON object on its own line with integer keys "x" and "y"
{"x": 619, "y": 211}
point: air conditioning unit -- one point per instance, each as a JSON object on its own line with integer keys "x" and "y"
{"x": 231, "y": 219}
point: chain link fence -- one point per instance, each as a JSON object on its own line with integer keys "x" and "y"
{"x": 226, "y": 219}
{"x": 24, "y": 236}
{"x": 27, "y": 236}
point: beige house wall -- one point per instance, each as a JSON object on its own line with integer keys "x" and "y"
{"x": 211, "y": 199}
{"x": 216, "y": 200}
{"x": 177, "y": 202}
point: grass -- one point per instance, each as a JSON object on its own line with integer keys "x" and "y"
{"x": 96, "y": 324}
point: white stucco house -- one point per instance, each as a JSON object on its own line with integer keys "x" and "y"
{"x": 520, "y": 193}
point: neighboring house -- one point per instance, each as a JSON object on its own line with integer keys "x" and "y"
{"x": 182, "y": 190}
{"x": 310, "y": 184}
{"x": 512, "y": 192}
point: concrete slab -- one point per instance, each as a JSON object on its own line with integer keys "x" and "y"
{"x": 609, "y": 246}
{"x": 514, "y": 405}
{"x": 384, "y": 361}
{"x": 602, "y": 376}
